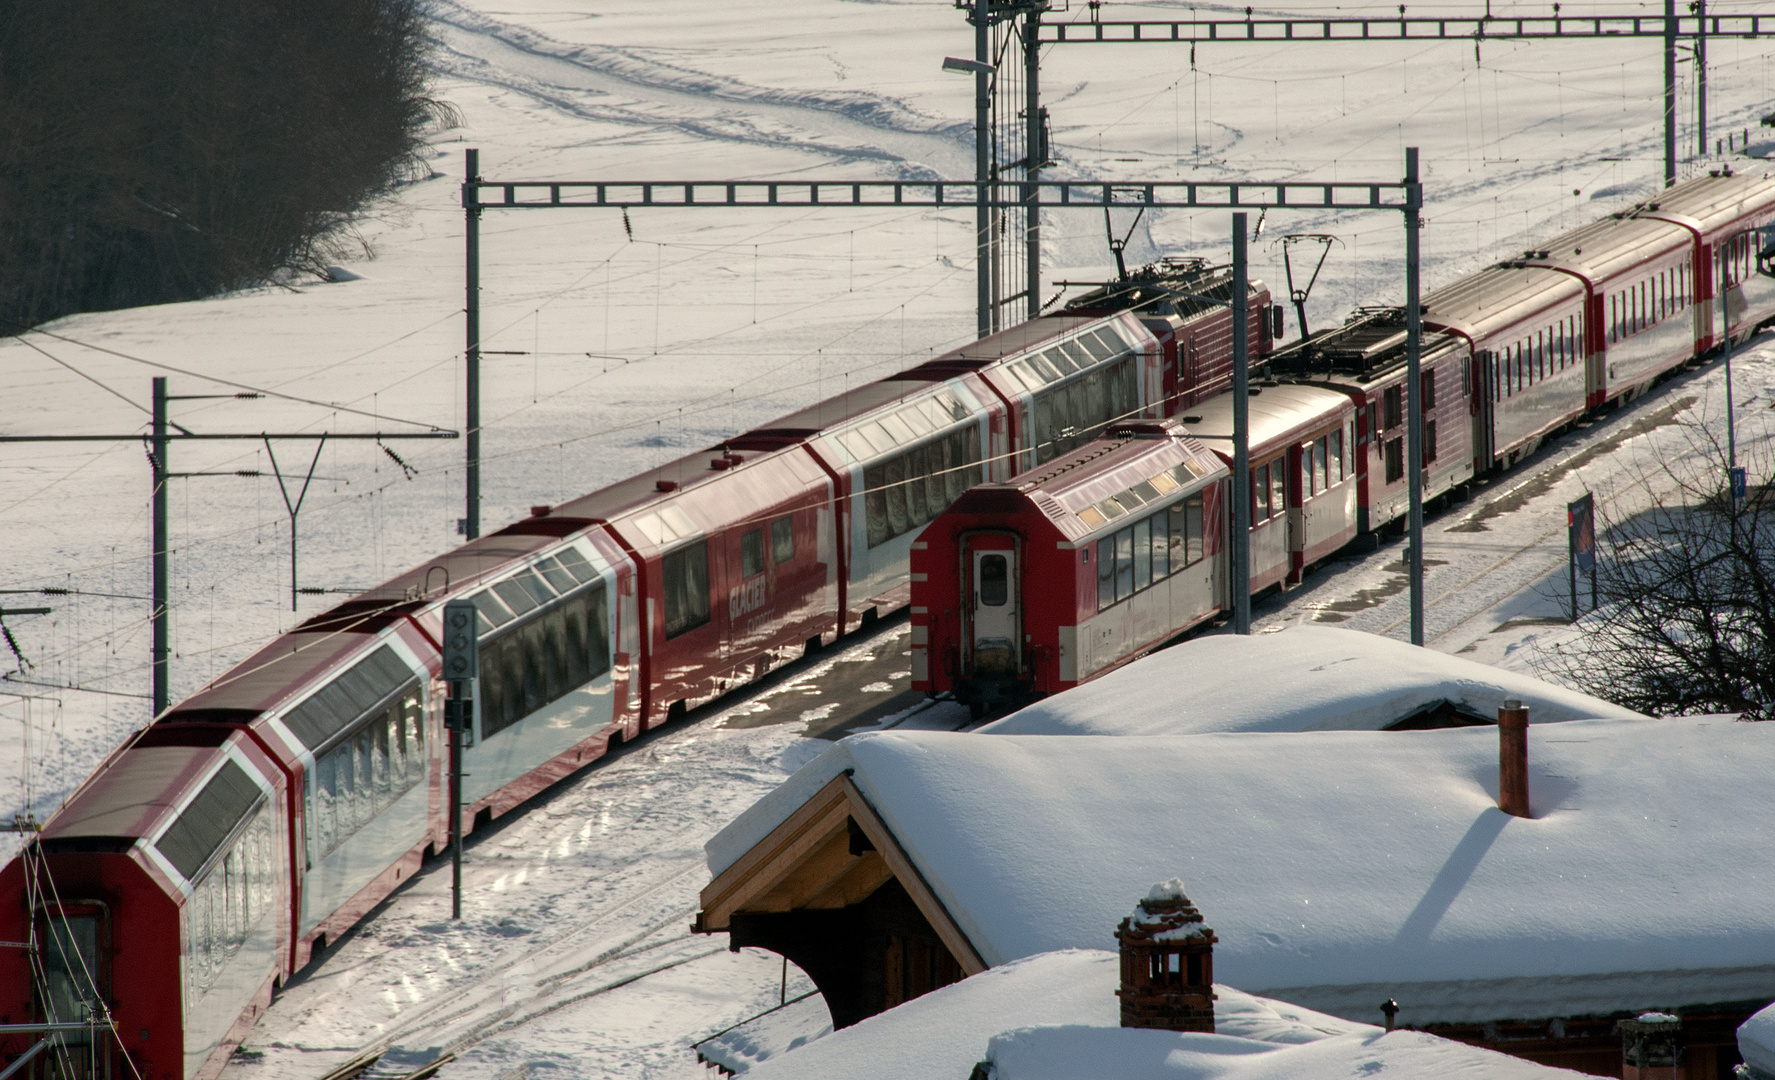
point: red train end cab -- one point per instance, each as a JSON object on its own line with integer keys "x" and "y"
{"x": 1025, "y": 588}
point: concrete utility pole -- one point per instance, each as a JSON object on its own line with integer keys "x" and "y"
{"x": 157, "y": 542}
{"x": 1414, "y": 394}
{"x": 1239, "y": 572}
{"x": 470, "y": 525}
{"x": 1035, "y": 152}
{"x": 1669, "y": 92}
{"x": 986, "y": 315}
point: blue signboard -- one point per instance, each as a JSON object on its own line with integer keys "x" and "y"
{"x": 1739, "y": 484}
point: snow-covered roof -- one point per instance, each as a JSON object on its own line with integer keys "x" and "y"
{"x": 1756, "y": 1041}
{"x": 1086, "y": 1053}
{"x": 1305, "y": 678}
{"x": 1343, "y": 868}
{"x": 943, "y": 1033}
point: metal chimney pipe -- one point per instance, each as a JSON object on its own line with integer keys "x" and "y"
{"x": 1513, "y": 759}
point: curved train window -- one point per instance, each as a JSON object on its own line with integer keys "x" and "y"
{"x": 994, "y": 580}
{"x": 907, "y": 490}
{"x": 373, "y": 766}
{"x": 543, "y": 659}
{"x": 1071, "y": 413}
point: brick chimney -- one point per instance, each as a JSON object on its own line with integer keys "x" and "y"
{"x": 1167, "y": 963}
{"x": 1513, "y": 759}
{"x": 1652, "y": 1048}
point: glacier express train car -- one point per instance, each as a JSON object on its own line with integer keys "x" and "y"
{"x": 1033, "y": 585}
{"x": 258, "y": 819}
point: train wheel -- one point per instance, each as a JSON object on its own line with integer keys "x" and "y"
{"x": 976, "y": 709}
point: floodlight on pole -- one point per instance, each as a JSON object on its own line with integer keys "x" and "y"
{"x": 967, "y": 67}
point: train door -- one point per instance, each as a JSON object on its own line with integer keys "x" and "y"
{"x": 994, "y": 637}
{"x": 72, "y": 939}
{"x": 1596, "y": 358}
{"x": 1298, "y": 490}
{"x": 1480, "y": 409}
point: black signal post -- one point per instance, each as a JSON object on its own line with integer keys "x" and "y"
{"x": 461, "y": 664}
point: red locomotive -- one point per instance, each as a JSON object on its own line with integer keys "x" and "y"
{"x": 259, "y": 818}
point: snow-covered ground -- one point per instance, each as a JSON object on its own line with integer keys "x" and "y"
{"x": 635, "y": 340}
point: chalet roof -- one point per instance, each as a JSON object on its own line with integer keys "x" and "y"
{"x": 1343, "y": 868}
{"x": 1059, "y": 1009}
{"x": 1305, "y": 678}
{"x": 943, "y": 1033}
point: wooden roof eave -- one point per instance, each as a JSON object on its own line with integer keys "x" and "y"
{"x": 806, "y": 863}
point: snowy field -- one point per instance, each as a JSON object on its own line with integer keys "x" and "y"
{"x": 630, "y": 343}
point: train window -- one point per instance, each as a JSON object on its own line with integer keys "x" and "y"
{"x": 751, "y": 553}
{"x": 906, "y": 491}
{"x": 365, "y": 773}
{"x": 917, "y": 420}
{"x": 492, "y": 611}
{"x": 556, "y": 575}
{"x": 1194, "y": 533}
{"x": 1429, "y": 440}
{"x": 544, "y": 659}
{"x": 1158, "y": 542}
{"x": 1106, "y": 572}
{"x": 684, "y": 579}
{"x": 576, "y": 565}
{"x": 1125, "y": 564}
{"x": 1177, "y": 534}
{"x": 1278, "y": 487}
{"x": 1045, "y": 367}
{"x": 1322, "y": 463}
{"x": 994, "y": 584}
{"x": 1395, "y": 454}
{"x": 1393, "y": 405}
{"x": 1260, "y": 493}
{"x": 782, "y": 540}
{"x": 1143, "y": 553}
{"x": 201, "y": 828}
{"x": 1334, "y": 461}
{"x": 516, "y": 597}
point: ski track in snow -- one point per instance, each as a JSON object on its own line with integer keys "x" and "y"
{"x": 588, "y": 82}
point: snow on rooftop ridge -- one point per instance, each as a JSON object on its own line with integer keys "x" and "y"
{"x": 943, "y": 1033}
{"x": 1658, "y": 1018}
{"x": 1305, "y": 678}
{"x": 1756, "y": 1043}
{"x": 1081, "y": 1052}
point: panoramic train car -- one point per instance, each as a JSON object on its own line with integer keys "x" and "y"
{"x": 1365, "y": 358}
{"x": 599, "y": 618}
{"x": 1027, "y": 587}
{"x": 159, "y": 897}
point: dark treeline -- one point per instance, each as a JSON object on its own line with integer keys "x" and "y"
{"x": 159, "y": 150}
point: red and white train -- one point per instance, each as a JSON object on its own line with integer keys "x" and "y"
{"x": 1029, "y": 586}
{"x": 254, "y": 821}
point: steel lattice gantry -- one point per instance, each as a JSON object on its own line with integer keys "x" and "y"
{"x": 1404, "y": 196}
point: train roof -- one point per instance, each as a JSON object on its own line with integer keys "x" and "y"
{"x": 128, "y": 795}
{"x": 1498, "y": 299}
{"x": 1603, "y": 250}
{"x": 1278, "y": 414}
{"x": 1713, "y": 203}
{"x": 1368, "y": 348}
{"x": 1106, "y": 479}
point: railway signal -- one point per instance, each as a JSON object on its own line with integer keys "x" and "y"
{"x": 461, "y": 663}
